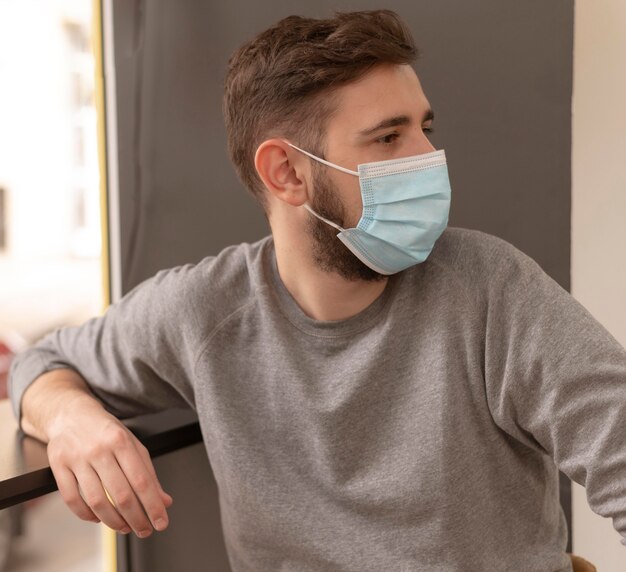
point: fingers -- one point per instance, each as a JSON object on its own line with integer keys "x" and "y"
{"x": 68, "y": 487}
{"x": 105, "y": 474}
{"x": 144, "y": 483}
{"x": 123, "y": 492}
{"x": 147, "y": 461}
{"x": 94, "y": 496}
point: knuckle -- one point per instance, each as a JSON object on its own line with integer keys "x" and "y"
{"x": 72, "y": 500}
{"x": 98, "y": 503}
{"x": 124, "y": 500}
{"x": 114, "y": 523}
{"x": 94, "y": 450}
{"x": 116, "y": 438}
{"x": 76, "y": 507}
{"x": 141, "y": 483}
{"x": 58, "y": 456}
{"x": 88, "y": 498}
{"x": 83, "y": 514}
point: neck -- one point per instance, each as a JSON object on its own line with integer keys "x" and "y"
{"x": 323, "y": 296}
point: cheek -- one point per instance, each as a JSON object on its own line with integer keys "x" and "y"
{"x": 353, "y": 202}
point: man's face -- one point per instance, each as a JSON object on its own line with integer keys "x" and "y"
{"x": 381, "y": 116}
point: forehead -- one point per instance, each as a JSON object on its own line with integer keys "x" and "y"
{"x": 386, "y": 91}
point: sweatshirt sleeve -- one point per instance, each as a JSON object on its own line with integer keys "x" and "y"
{"x": 136, "y": 358}
{"x": 556, "y": 378}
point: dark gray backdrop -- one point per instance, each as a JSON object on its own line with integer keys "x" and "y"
{"x": 498, "y": 74}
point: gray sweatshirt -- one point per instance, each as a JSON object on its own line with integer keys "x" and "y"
{"x": 422, "y": 434}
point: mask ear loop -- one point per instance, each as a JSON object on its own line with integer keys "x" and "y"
{"x": 330, "y": 222}
{"x": 306, "y": 206}
{"x": 349, "y": 171}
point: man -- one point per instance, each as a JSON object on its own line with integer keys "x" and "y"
{"x": 393, "y": 396}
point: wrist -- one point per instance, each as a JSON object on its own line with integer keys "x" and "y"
{"x": 50, "y": 399}
{"x": 68, "y": 408}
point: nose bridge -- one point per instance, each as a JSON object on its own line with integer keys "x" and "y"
{"x": 424, "y": 144}
{"x": 417, "y": 142}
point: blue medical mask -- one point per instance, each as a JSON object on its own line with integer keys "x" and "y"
{"x": 406, "y": 203}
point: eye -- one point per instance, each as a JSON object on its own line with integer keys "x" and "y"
{"x": 429, "y": 129}
{"x": 388, "y": 139}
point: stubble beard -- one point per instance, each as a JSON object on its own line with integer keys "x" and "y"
{"x": 329, "y": 253}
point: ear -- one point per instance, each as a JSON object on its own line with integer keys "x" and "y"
{"x": 283, "y": 170}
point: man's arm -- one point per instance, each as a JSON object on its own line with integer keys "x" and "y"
{"x": 556, "y": 378}
{"x": 92, "y": 453}
{"x": 71, "y": 387}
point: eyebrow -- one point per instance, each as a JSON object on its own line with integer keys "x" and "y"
{"x": 396, "y": 121}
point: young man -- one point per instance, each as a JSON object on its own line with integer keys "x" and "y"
{"x": 376, "y": 391}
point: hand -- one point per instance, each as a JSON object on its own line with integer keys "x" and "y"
{"x": 91, "y": 453}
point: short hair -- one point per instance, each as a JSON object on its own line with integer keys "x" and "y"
{"x": 280, "y": 84}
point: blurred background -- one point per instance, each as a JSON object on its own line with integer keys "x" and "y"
{"x": 50, "y": 228}
{"x": 50, "y": 232}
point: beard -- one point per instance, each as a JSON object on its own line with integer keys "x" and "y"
{"x": 329, "y": 253}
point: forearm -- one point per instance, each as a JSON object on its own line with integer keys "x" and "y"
{"x": 50, "y": 397}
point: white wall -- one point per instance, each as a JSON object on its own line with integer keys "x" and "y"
{"x": 599, "y": 215}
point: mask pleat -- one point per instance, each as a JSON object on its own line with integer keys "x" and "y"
{"x": 405, "y": 186}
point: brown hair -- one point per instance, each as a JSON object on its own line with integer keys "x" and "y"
{"x": 274, "y": 82}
